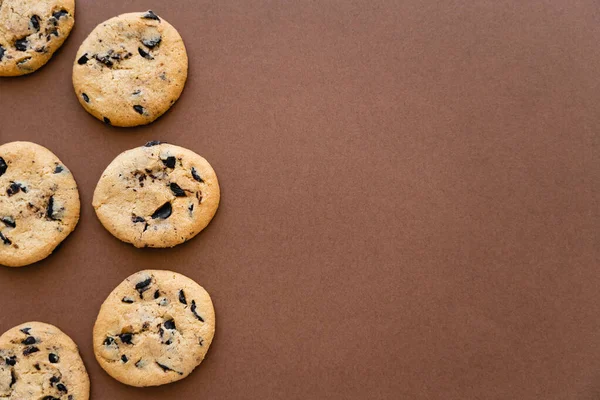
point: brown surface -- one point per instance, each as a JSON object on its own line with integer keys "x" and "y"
{"x": 410, "y": 198}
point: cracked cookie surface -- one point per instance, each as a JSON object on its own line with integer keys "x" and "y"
{"x": 157, "y": 195}
{"x": 39, "y": 203}
{"x": 131, "y": 69}
{"x": 31, "y": 31}
{"x": 39, "y": 361}
{"x": 154, "y": 328}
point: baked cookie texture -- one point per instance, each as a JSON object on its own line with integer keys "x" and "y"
{"x": 154, "y": 328}
{"x": 131, "y": 69}
{"x": 39, "y": 203}
{"x": 38, "y": 361}
{"x": 31, "y": 31}
{"x": 157, "y": 195}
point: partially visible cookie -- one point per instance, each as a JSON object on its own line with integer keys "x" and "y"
{"x": 38, "y": 361}
{"x": 154, "y": 328}
{"x": 31, "y": 31}
{"x": 131, "y": 69}
{"x": 39, "y": 203}
{"x": 157, "y": 195}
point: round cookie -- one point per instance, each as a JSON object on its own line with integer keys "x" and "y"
{"x": 131, "y": 69}
{"x": 154, "y": 328}
{"x": 39, "y": 361}
{"x": 39, "y": 203}
{"x": 157, "y": 195}
{"x": 31, "y": 31}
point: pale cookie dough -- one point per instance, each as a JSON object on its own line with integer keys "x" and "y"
{"x": 39, "y": 362}
{"x": 157, "y": 195}
{"x": 39, "y": 203}
{"x": 31, "y": 31}
{"x": 131, "y": 69}
{"x": 154, "y": 328}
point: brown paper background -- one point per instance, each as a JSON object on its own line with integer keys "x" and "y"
{"x": 410, "y": 197}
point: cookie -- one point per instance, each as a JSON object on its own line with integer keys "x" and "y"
{"x": 31, "y": 31}
{"x": 131, "y": 69}
{"x": 154, "y": 328}
{"x": 39, "y": 361}
{"x": 39, "y": 203}
{"x": 157, "y": 195}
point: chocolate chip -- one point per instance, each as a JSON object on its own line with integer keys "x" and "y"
{"x": 127, "y": 300}
{"x": 59, "y": 14}
{"x": 193, "y": 308}
{"x": 85, "y": 97}
{"x": 144, "y": 54}
{"x": 50, "y": 209}
{"x": 167, "y": 369}
{"x": 54, "y": 380}
{"x": 156, "y": 294}
{"x": 41, "y": 49}
{"x": 14, "y": 188}
{"x": 139, "y": 363}
{"x": 2, "y": 50}
{"x": 163, "y": 212}
{"x": 124, "y": 358}
{"x": 50, "y": 398}
{"x": 152, "y": 42}
{"x": 5, "y": 240}
{"x": 104, "y": 60}
{"x": 177, "y": 191}
{"x": 62, "y": 388}
{"x": 126, "y": 338}
{"x": 201, "y": 342}
{"x": 53, "y": 358}
{"x": 83, "y": 59}
{"x": 151, "y": 15}
{"x": 182, "y": 299}
{"x": 191, "y": 208}
{"x": 139, "y": 109}
{"x": 28, "y": 340}
{"x": 109, "y": 341}
{"x": 137, "y": 219}
{"x": 9, "y": 221}
{"x": 36, "y": 366}
{"x": 11, "y": 361}
{"x": 30, "y": 350}
{"x": 107, "y": 121}
{"x": 170, "y": 324}
{"x": 21, "y": 44}
{"x": 196, "y": 176}
{"x": 34, "y": 22}
{"x": 13, "y": 378}
{"x": 149, "y": 144}
{"x": 25, "y": 330}
{"x": 169, "y": 162}
{"x": 142, "y": 286}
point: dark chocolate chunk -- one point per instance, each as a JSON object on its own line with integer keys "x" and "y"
{"x": 144, "y": 54}
{"x": 37, "y": 366}
{"x": 53, "y": 358}
{"x": 177, "y": 191}
{"x": 145, "y": 227}
{"x": 167, "y": 369}
{"x": 151, "y": 15}
{"x": 124, "y": 358}
{"x": 83, "y": 59}
{"x": 104, "y": 60}
{"x": 193, "y": 308}
{"x": 34, "y": 22}
{"x": 127, "y": 300}
{"x": 13, "y": 378}
{"x": 25, "y": 330}
{"x": 170, "y": 324}
{"x": 142, "y": 286}
{"x": 109, "y": 341}
{"x": 3, "y": 165}
{"x": 191, "y": 208}
{"x": 41, "y": 49}
{"x": 59, "y": 14}
{"x": 107, "y": 121}
{"x": 11, "y": 361}
{"x": 163, "y": 212}
{"x": 170, "y": 162}
{"x": 85, "y": 97}
{"x": 9, "y": 221}
{"x": 21, "y": 44}
{"x": 150, "y": 144}
{"x": 156, "y": 294}
{"x": 182, "y": 299}
{"x": 1, "y": 57}
{"x": 58, "y": 169}
{"x": 196, "y": 176}
{"x": 62, "y": 388}
{"x": 30, "y": 350}
{"x": 14, "y": 188}
{"x": 139, "y": 109}
{"x": 152, "y": 42}
{"x": 5, "y": 240}
{"x": 50, "y": 208}
{"x": 29, "y": 340}
{"x": 201, "y": 342}
{"x": 137, "y": 219}
{"x": 50, "y": 398}
{"x": 126, "y": 338}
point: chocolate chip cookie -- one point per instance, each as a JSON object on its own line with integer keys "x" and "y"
{"x": 39, "y": 203}
{"x": 157, "y": 195}
{"x": 131, "y": 69}
{"x": 39, "y": 361}
{"x": 154, "y": 328}
{"x": 31, "y": 31}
